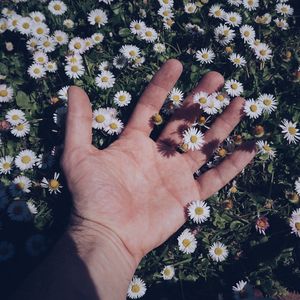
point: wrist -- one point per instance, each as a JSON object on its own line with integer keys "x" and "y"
{"x": 110, "y": 264}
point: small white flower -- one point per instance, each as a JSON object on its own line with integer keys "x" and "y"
{"x": 295, "y": 225}
{"x": 105, "y": 80}
{"x": 25, "y": 160}
{"x": 32, "y": 207}
{"x": 101, "y": 118}
{"x": 122, "y": 98}
{"x": 37, "y": 16}
{"x": 268, "y": 102}
{"x": 290, "y": 130}
{"x": 130, "y": 52}
{"x": 57, "y": 8}
{"x": 149, "y": 35}
{"x": 218, "y": 252}
{"x": 252, "y": 108}
{"x": 265, "y": 148}
{"x": 47, "y": 44}
{"x": 251, "y": 4}
{"x": 224, "y": 34}
{"x": 212, "y": 106}
{"x": 205, "y": 56}
{"x": 190, "y": 8}
{"x": 6, "y": 163}
{"x": 176, "y": 97}
{"x": 237, "y": 60}
{"x": 201, "y": 98}
{"x": 68, "y": 23}
{"x": 223, "y": 98}
{"x": 284, "y": 9}
{"x": 262, "y": 52}
{"x": 97, "y": 37}
{"x": 165, "y": 12}
{"x": 97, "y": 17}
{"x": 247, "y": 33}
{"x": 168, "y": 272}
{"x": 198, "y": 211}
{"x": 51, "y": 66}
{"x": 53, "y": 185}
{"x": 40, "y": 57}
{"x": 232, "y": 18}
{"x": 77, "y": 45}
{"x": 120, "y": 61}
{"x": 216, "y": 11}
{"x": 234, "y": 88}
{"x": 40, "y": 30}
{"x": 282, "y": 24}
{"x": 36, "y": 71}
{"x": 193, "y": 138}
{"x": 22, "y": 183}
{"x": 187, "y": 242}
{"x": 63, "y": 93}
{"x": 137, "y": 27}
{"x": 25, "y": 25}
{"x": 239, "y": 286}
{"x": 74, "y": 70}
{"x": 137, "y": 288}
{"x": 166, "y": 3}
{"x": 15, "y": 116}
{"x": 21, "y": 129}
{"x": 114, "y": 126}
{"x": 159, "y": 48}
{"x": 6, "y": 93}
{"x": 60, "y": 37}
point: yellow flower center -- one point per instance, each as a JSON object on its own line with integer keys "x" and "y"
{"x": 41, "y": 59}
{"x": 132, "y": 53}
{"x": 122, "y": 98}
{"x": 57, "y": 7}
{"x": 202, "y": 100}
{"x": 59, "y": 38}
{"x": 47, "y": 44}
{"x": 26, "y": 159}
{"x": 98, "y": 19}
{"x": 104, "y": 79}
{"x": 222, "y": 152}
{"x": 137, "y": 26}
{"x": 157, "y": 119}
{"x": 267, "y": 102}
{"x": 202, "y": 120}
{"x": 170, "y": 22}
{"x": 226, "y": 32}
{"x": 100, "y": 119}
{"x": 263, "y": 52}
{"x": 3, "y": 93}
{"x": 205, "y": 55}
{"x": 166, "y": 1}
{"x": 77, "y": 45}
{"x": 186, "y": 243}
{"x": 37, "y": 19}
{"x": 199, "y": 211}
{"x": 218, "y": 251}
{"x": 232, "y": 19}
{"x": 20, "y": 185}
{"x": 167, "y": 272}
{"x": 253, "y": 108}
{"x": 267, "y": 148}
{"x": 135, "y": 288}
{"x": 36, "y": 71}
{"x": 20, "y": 127}
{"x": 233, "y": 189}
{"x": 113, "y": 125}
{"x": 40, "y": 30}
{"x": 97, "y": 38}
{"x": 297, "y": 226}
{"x": 15, "y": 22}
{"x": 284, "y": 9}
{"x": 191, "y": 9}
{"x": 237, "y": 60}
{"x": 220, "y": 97}
{"x": 6, "y": 166}
{"x": 193, "y": 139}
{"x": 218, "y": 13}
{"x": 176, "y": 98}
{"x": 292, "y": 130}
{"x": 250, "y": 2}
{"x": 74, "y": 69}
{"x": 246, "y": 33}
{"x": 54, "y": 184}
{"x": 165, "y": 13}
{"x": 33, "y": 44}
{"x": 26, "y": 25}
{"x": 234, "y": 86}
{"x": 148, "y": 33}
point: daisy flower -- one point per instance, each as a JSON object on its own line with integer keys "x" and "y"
{"x": 168, "y": 272}
{"x": 168, "y": 23}
{"x": 40, "y": 57}
{"x": 252, "y": 108}
{"x": 205, "y": 56}
{"x": 89, "y": 43}
{"x": 39, "y": 30}
{"x": 119, "y": 61}
{"x": 265, "y": 148}
{"x": 36, "y": 71}
{"x": 101, "y": 118}
{"x": 263, "y": 52}
{"x": 7, "y": 250}
{"x": 297, "y": 186}
{"x": 11, "y": 23}
{"x": 216, "y": 11}
{"x": 31, "y": 44}
{"x": 60, "y": 37}
{"x": 77, "y": 45}
{"x": 130, "y": 52}
{"x": 282, "y": 24}
{"x": 190, "y": 8}
{"x": 223, "y": 98}
{"x": 237, "y": 60}
{"x": 232, "y": 18}
{"x": 104, "y": 66}
{"x": 165, "y": 12}
{"x": 137, "y": 62}
{"x": 21, "y": 129}
{"x": 137, "y": 288}
{"x": 37, "y": 16}
{"x": 57, "y": 8}
{"x": 97, "y": 17}
{"x": 159, "y": 48}
{"x": 6, "y": 93}
{"x": 46, "y": 44}
{"x": 6, "y": 163}
{"x": 137, "y": 27}
{"x": 235, "y": 2}
{"x": 18, "y": 211}
{"x": 296, "y": 212}
{"x": 247, "y": 33}
{"x": 198, "y": 211}
{"x": 224, "y": 34}
{"x": 68, "y": 23}
{"x": 251, "y": 4}
{"x": 212, "y": 106}
{"x": 290, "y": 130}
{"x": 114, "y": 126}
{"x": 105, "y": 80}
{"x": 176, "y": 97}
{"x": 63, "y": 93}
{"x": 122, "y": 98}
{"x": 97, "y": 37}
{"x": 53, "y": 185}
{"x": 24, "y": 25}
{"x": 268, "y": 102}
{"x": 74, "y": 70}
{"x": 149, "y": 35}
{"x": 234, "y": 88}
{"x": 218, "y": 251}
{"x": 295, "y": 225}
{"x": 201, "y": 98}
{"x": 74, "y": 59}
{"x": 166, "y": 3}
{"x": 193, "y": 138}
{"x": 51, "y": 66}
{"x": 22, "y": 183}
{"x": 25, "y": 160}
{"x": 239, "y": 286}
{"x": 32, "y": 207}
{"x": 187, "y": 242}
{"x": 262, "y": 224}
{"x": 284, "y": 9}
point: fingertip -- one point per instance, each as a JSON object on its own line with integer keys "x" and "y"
{"x": 77, "y": 99}
{"x": 215, "y": 77}
{"x": 175, "y": 64}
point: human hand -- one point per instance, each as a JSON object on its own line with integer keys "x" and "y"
{"x": 131, "y": 192}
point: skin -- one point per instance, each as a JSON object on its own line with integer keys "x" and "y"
{"x": 130, "y": 197}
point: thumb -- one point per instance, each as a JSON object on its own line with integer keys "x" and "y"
{"x": 79, "y": 119}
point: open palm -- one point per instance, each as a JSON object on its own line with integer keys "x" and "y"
{"x": 138, "y": 188}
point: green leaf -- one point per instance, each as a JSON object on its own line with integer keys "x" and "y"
{"x": 124, "y": 32}
{"x": 23, "y": 100}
